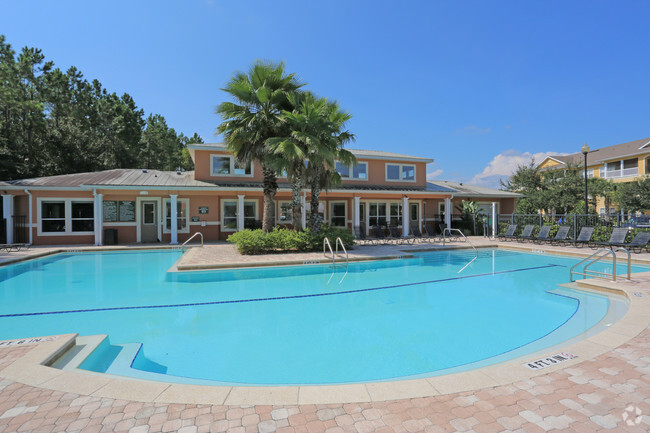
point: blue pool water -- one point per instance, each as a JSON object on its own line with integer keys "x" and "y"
{"x": 303, "y": 324}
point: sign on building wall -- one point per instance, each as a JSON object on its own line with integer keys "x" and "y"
{"x": 204, "y": 209}
{"x": 110, "y": 211}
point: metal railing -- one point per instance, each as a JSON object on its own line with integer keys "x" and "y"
{"x": 328, "y": 246}
{"x": 460, "y": 234}
{"x": 595, "y": 258}
{"x": 192, "y": 237}
{"x": 340, "y": 242}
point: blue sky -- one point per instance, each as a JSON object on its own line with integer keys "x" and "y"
{"x": 478, "y": 86}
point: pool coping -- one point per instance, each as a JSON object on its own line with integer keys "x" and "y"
{"x": 32, "y": 369}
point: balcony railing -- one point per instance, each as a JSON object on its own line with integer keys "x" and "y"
{"x": 626, "y": 172}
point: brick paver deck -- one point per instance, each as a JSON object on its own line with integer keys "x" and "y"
{"x": 609, "y": 392}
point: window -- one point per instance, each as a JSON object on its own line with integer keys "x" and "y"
{"x": 396, "y": 214}
{"x": 224, "y": 165}
{"x": 337, "y": 214}
{"x": 357, "y": 171}
{"x": 377, "y": 214}
{"x": 590, "y": 173}
{"x": 82, "y": 216}
{"x": 399, "y": 172}
{"x": 285, "y": 213}
{"x": 53, "y": 216}
{"x": 229, "y": 214}
{"x": 66, "y": 216}
{"x": 414, "y": 212}
{"x": 182, "y": 215}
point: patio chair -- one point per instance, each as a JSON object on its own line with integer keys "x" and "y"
{"x": 640, "y": 241}
{"x": 360, "y": 236}
{"x": 618, "y": 237}
{"x": 526, "y": 233}
{"x": 509, "y": 234}
{"x": 397, "y": 236}
{"x": 543, "y": 235}
{"x": 379, "y": 236}
{"x": 561, "y": 235}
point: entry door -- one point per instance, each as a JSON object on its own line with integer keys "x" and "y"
{"x": 149, "y": 222}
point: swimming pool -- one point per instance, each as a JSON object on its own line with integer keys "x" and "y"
{"x": 436, "y": 312}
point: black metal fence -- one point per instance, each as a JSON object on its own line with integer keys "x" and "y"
{"x": 603, "y": 225}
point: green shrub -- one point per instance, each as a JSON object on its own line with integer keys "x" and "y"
{"x": 252, "y": 242}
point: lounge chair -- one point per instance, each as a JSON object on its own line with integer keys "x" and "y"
{"x": 510, "y": 233}
{"x": 617, "y": 238}
{"x": 543, "y": 235}
{"x": 561, "y": 235}
{"x": 526, "y": 233}
{"x": 13, "y": 247}
{"x": 640, "y": 241}
{"x": 417, "y": 234}
{"x": 584, "y": 237}
{"x": 430, "y": 233}
{"x": 360, "y": 237}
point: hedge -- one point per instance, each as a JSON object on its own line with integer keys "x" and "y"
{"x": 281, "y": 240}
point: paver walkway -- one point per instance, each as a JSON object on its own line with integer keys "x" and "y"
{"x": 592, "y": 396}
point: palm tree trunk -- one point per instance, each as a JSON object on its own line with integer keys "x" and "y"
{"x": 296, "y": 204}
{"x": 315, "y": 220}
{"x": 270, "y": 189}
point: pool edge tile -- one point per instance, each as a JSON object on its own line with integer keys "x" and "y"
{"x": 383, "y": 391}
{"x": 194, "y": 394}
{"x": 264, "y": 395}
{"x": 326, "y": 394}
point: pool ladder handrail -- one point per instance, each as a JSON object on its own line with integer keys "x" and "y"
{"x": 327, "y": 245}
{"x": 452, "y": 230}
{"x": 192, "y": 237}
{"x": 598, "y": 256}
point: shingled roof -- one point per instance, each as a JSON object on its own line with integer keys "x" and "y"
{"x": 617, "y": 151}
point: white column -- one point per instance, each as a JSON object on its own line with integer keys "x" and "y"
{"x": 405, "y": 216}
{"x": 99, "y": 218}
{"x": 494, "y": 219}
{"x": 174, "y": 216}
{"x": 357, "y": 211}
{"x": 303, "y": 215}
{"x": 240, "y": 213}
{"x": 8, "y": 212}
{"x": 448, "y": 211}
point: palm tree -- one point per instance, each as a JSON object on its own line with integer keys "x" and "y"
{"x": 321, "y": 173}
{"x": 305, "y": 123}
{"x": 260, "y": 96}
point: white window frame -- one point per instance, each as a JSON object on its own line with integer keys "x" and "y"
{"x": 235, "y": 201}
{"x": 401, "y": 172}
{"x": 67, "y": 202}
{"x": 187, "y": 215}
{"x": 279, "y": 212}
{"x": 331, "y": 212}
{"x": 351, "y": 170}
{"x": 232, "y": 166}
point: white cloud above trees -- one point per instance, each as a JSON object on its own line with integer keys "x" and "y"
{"x": 505, "y": 164}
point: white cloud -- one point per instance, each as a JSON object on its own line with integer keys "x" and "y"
{"x": 506, "y": 163}
{"x": 434, "y": 174}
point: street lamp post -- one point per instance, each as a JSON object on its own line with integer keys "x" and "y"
{"x": 585, "y": 151}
